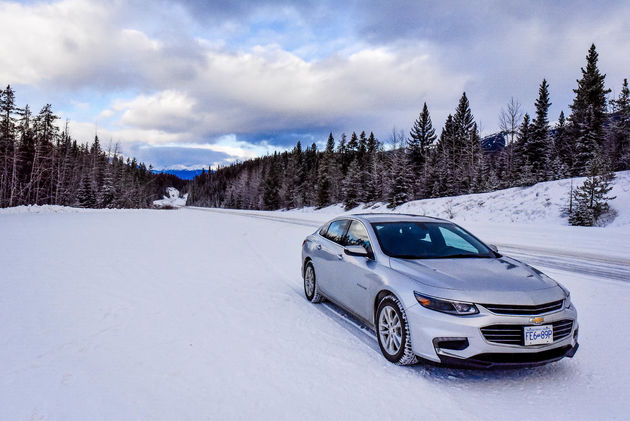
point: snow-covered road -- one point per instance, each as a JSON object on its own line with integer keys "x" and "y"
{"x": 596, "y": 261}
{"x": 200, "y": 315}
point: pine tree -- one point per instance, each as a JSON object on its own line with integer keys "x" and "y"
{"x": 618, "y": 133}
{"x": 325, "y": 169}
{"x": 351, "y": 185}
{"x": 523, "y": 174}
{"x": 590, "y": 200}
{"x": 588, "y": 113}
{"x": 374, "y": 173}
{"x": 399, "y": 190}
{"x": 86, "y": 197}
{"x": 420, "y": 139}
{"x": 271, "y": 189}
{"x": 538, "y": 147}
{"x": 8, "y": 149}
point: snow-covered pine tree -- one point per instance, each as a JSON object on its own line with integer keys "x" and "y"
{"x": 351, "y": 185}
{"x": 588, "y": 113}
{"x": 86, "y": 197}
{"x": 374, "y": 184}
{"x": 590, "y": 200}
{"x": 399, "y": 182}
{"x": 618, "y": 131}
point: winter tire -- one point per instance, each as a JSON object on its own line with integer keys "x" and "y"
{"x": 392, "y": 332}
{"x": 311, "y": 289}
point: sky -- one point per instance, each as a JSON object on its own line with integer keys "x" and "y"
{"x": 190, "y": 84}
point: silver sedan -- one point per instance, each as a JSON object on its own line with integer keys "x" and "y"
{"x": 433, "y": 291}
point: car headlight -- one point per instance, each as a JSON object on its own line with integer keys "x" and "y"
{"x": 457, "y": 308}
{"x": 567, "y": 298}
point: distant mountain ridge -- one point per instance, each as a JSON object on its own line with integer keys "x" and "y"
{"x": 183, "y": 174}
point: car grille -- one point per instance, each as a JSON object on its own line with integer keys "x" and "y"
{"x": 524, "y": 310}
{"x": 513, "y": 334}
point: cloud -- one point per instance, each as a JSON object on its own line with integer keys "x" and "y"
{"x": 190, "y": 74}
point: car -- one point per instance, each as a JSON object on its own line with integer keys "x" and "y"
{"x": 432, "y": 291}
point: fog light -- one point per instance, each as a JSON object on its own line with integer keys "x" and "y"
{"x": 456, "y": 344}
{"x": 575, "y": 334}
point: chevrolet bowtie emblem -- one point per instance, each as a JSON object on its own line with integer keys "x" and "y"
{"x": 536, "y": 320}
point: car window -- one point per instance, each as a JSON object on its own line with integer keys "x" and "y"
{"x": 357, "y": 235}
{"x": 336, "y": 230}
{"x": 455, "y": 240}
{"x": 427, "y": 240}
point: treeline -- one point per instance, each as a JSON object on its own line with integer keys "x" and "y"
{"x": 41, "y": 164}
{"x": 593, "y": 141}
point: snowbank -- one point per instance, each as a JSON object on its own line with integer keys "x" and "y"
{"x": 171, "y": 200}
{"x": 542, "y": 203}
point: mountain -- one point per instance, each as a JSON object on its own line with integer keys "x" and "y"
{"x": 183, "y": 174}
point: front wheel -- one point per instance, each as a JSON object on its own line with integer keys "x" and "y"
{"x": 393, "y": 332}
{"x": 311, "y": 289}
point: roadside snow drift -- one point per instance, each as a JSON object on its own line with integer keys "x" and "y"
{"x": 195, "y": 314}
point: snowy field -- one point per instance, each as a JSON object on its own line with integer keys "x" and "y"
{"x": 200, "y": 314}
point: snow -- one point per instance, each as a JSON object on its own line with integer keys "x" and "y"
{"x": 200, "y": 314}
{"x": 171, "y": 200}
{"x": 541, "y": 203}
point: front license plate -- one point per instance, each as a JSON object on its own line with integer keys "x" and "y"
{"x": 536, "y": 335}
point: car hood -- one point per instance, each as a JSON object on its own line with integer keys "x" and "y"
{"x": 481, "y": 279}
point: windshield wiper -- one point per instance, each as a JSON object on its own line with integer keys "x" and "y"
{"x": 460, "y": 255}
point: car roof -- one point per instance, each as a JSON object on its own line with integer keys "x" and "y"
{"x": 392, "y": 217}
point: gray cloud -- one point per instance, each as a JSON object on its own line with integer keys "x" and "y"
{"x": 192, "y": 71}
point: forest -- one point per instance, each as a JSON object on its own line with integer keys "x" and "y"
{"x": 592, "y": 141}
{"x": 43, "y": 165}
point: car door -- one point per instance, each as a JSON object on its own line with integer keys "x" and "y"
{"x": 355, "y": 278}
{"x": 329, "y": 251}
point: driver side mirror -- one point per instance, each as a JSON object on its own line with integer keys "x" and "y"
{"x": 358, "y": 251}
{"x": 493, "y": 248}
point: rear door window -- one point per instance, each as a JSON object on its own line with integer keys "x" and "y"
{"x": 336, "y": 229}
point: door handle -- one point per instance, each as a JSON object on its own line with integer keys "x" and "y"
{"x": 318, "y": 247}
{"x": 340, "y": 256}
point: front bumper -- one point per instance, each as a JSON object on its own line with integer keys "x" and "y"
{"x": 426, "y": 325}
{"x": 511, "y": 360}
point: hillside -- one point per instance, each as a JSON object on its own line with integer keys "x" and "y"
{"x": 542, "y": 203}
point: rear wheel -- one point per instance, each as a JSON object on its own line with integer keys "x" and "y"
{"x": 311, "y": 289}
{"x": 392, "y": 332}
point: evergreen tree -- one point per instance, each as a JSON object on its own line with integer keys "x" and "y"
{"x": 325, "y": 170}
{"x": 398, "y": 171}
{"x": 538, "y": 147}
{"x": 351, "y": 186}
{"x": 590, "y": 200}
{"x": 86, "y": 197}
{"x": 421, "y": 138}
{"x": 8, "y": 149}
{"x": 563, "y": 147}
{"x": 588, "y": 113}
{"x": 618, "y": 133}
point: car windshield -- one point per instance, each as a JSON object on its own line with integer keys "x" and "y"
{"x": 428, "y": 240}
